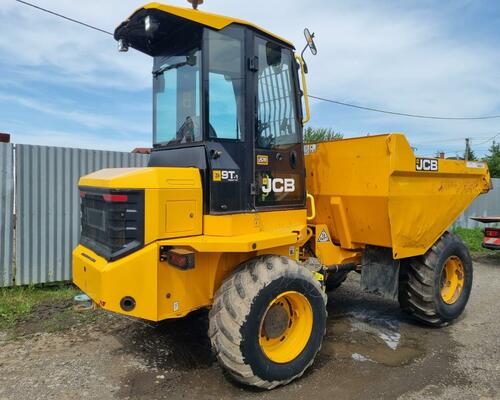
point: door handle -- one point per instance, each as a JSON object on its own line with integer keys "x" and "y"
{"x": 293, "y": 159}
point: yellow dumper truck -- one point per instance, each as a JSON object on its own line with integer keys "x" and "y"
{"x": 236, "y": 215}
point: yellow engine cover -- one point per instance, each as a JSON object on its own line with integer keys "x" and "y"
{"x": 173, "y": 198}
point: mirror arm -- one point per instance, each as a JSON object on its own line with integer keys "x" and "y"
{"x": 304, "y": 64}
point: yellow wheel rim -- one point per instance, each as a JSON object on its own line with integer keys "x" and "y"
{"x": 286, "y": 327}
{"x": 452, "y": 280}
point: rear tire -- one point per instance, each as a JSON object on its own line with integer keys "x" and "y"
{"x": 268, "y": 321}
{"x": 434, "y": 288}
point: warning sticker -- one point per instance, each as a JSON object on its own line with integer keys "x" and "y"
{"x": 309, "y": 149}
{"x": 262, "y": 159}
{"x": 475, "y": 164}
{"x": 323, "y": 237}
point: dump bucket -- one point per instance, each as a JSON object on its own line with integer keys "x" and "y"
{"x": 374, "y": 191}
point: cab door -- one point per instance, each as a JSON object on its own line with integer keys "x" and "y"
{"x": 279, "y": 159}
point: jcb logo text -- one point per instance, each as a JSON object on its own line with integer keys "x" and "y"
{"x": 278, "y": 185}
{"x": 426, "y": 164}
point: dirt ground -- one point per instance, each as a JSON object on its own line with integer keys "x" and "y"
{"x": 371, "y": 351}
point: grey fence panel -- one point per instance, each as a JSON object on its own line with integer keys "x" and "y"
{"x": 6, "y": 213}
{"x": 47, "y": 202}
{"x": 485, "y": 205}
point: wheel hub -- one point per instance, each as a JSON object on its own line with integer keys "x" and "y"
{"x": 452, "y": 280}
{"x": 286, "y": 327}
{"x": 276, "y": 321}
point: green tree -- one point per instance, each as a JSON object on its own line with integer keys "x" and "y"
{"x": 314, "y": 135}
{"x": 493, "y": 160}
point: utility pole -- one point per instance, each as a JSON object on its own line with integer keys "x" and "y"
{"x": 467, "y": 149}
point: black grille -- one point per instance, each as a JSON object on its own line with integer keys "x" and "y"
{"x": 112, "y": 221}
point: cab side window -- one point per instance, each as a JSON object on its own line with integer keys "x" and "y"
{"x": 277, "y": 122}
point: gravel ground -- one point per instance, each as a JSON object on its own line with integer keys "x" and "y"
{"x": 370, "y": 351}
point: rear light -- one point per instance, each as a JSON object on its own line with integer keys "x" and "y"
{"x": 492, "y": 232}
{"x": 112, "y": 221}
{"x": 115, "y": 198}
{"x": 179, "y": 258}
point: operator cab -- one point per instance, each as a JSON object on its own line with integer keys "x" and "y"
{"x": 226, "y": 100}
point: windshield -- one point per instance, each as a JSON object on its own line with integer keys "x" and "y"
{"x": 178, "y": 85}
{"x": 176, "y": 88}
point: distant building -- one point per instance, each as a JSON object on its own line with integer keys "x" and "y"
{"x": 142, "y": 150}
{"x": 4, "y": 138}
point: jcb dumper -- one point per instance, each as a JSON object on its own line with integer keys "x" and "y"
{"x": 234, "y": 214}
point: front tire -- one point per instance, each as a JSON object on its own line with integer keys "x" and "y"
{"x": 268, "y": 321}
{"x": 435, "y": 287}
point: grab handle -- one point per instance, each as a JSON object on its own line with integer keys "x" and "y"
{"x": 313, "y": 207}
{"x": 304, "y": 89}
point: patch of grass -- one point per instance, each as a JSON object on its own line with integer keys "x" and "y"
{"x": 18, "y": 302}
{"x": 473, "y": 238}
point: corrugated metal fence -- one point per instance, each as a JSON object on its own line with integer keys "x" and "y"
{"x": 484, "y": 205}
{"x": 47, "y": 207}
{"x": 6, "y": 212}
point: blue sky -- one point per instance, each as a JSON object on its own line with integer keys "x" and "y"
{"x": 63, "y": 84}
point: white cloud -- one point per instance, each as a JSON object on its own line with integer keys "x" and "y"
{"x": 404, "y": 56}
{"x": 90, "y": 120}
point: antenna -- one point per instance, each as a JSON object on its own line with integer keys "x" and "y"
{"x": 195, "y": 3}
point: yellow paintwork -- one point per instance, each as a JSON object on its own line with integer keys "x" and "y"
{"x": 452, "y": 280}
{"x": 367, "y": 191}
{"x": 241, "y": 233}
{"x": 143, "y": 178}
{"x": 172, "y": 201}
{"x": 330, "y": 253}
{"x": 290, "y": 343}
{"x": 210, "y": 20}
{"x": 249, "y": 223}
{"x": 161, "y": 291}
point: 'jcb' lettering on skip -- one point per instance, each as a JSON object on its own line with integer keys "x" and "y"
{"x": 279, "y": 185}
{"x": 427, "y": 164}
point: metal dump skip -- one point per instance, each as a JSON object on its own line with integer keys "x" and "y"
{"x": 375, "y": 191}
{"x": 47, "y": 202}
{"x": 6, "y": 213}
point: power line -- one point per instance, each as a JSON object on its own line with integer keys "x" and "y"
{"x": 311, "y": 96}
{"x": 490, "y": 139}
{"x": 401, "y": 113}
{"x": 64, "y": 17}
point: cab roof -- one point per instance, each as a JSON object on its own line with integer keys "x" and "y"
{"x": 214, "y": 21}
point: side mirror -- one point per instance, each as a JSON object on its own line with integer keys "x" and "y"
{"x": 311, "y": 45}
{"x": 310, "y": 41}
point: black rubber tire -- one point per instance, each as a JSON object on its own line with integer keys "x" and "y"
{"x": 335, "y": 280}
{"x": 239, "y": 306}
{"x": 420, "y": 286}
